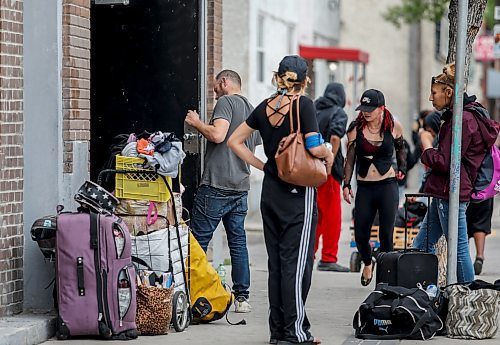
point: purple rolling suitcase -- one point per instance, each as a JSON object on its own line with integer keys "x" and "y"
{"x": 96, "y": 283}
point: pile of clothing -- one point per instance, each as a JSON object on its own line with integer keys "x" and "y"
{"x": 162, "y": 150}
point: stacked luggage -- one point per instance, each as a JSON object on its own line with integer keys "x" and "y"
{"x": 120, "y": 266}
{"x": 407, "y": 303}
{"x": 159, "y": 243}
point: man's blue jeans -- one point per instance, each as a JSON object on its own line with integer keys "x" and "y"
{"x": 211, "y": 205}
{"x": 436, "y": 220}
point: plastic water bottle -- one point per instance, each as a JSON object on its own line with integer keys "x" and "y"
{"x": 432, "y": 291}
{"x": 221, "y": 271}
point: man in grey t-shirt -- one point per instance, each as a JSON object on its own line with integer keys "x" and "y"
{"x": 223, "y": 190}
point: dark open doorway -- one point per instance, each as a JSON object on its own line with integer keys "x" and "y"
{"x": 144, "y": 75}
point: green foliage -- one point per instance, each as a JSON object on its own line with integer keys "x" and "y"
{"x": 489, "y": 14}
{"x": 413, "y": 11}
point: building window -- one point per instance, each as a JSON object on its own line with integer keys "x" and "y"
{"x": 438, "y": 39}
{"x": 260, "y": 48}
{"x": 290, "y": 39}
{"x": 260, "y": 66}
{"x": 441, "y": 38}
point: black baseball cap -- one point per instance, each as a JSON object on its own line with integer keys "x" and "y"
{"x": 370, "y": 100}
{"x": 294, "y": 63}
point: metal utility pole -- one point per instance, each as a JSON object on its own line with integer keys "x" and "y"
{"x": 415, "y": 71}
{"x": 456, "y": 142}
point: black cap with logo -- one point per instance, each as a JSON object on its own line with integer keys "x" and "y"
{"x": 294, "y": 63}
{"x": 370, "y": 100}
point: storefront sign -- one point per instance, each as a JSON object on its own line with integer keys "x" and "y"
{"x": 497, "y": 12}
{"x": 483, "y": 48}
{"x": 496, "y": 36}
{"x": 492, "y": 83}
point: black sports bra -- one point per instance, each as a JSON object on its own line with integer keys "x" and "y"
{"x": 382, "y": 157}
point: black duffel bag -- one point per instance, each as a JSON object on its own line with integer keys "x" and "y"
{"x": 394, "y": 312}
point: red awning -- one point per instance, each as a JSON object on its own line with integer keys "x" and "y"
{"x": 333, "y": 54}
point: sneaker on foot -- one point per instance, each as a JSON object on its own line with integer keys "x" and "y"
{"x": 331, "y": 266}
{"x": 241, "y": 305}
{"x": 478, "y": 265}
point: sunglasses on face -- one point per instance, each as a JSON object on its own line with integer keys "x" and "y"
{"x": 434, "y": 80}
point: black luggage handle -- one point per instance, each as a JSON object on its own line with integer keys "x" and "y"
{"x": 417, "y": 195}
{"x": 80, "y": 276}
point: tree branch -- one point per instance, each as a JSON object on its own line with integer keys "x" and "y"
{"x": 474, "y": 20}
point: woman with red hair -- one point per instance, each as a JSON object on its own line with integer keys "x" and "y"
{"x": 375, "y": 143}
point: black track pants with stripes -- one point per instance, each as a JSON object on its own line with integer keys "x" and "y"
{"x": 289, "y": 217}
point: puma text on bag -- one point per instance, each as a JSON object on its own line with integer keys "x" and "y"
{"x": 295, "y": 164}
{"x": 394, "y": 312}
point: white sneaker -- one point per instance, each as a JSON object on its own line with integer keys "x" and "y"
{"x": 241, "y": 305}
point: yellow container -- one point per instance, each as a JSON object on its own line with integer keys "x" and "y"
{"x": 139, "y": 185}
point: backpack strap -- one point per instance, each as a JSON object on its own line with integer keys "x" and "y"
{"x": 480, "y": 113}
{"x": 423, "y": 320}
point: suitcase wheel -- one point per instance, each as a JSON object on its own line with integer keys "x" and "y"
{"x": 62, "y": 331}
{"x": 355, "y": 262}
{"x": 180, "y": 311}
{"x": 61, "y": 336}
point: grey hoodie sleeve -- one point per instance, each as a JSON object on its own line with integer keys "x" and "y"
{"x": 338, "y": 123}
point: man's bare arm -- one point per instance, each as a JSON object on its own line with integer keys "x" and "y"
{"x": 215, "y": 132}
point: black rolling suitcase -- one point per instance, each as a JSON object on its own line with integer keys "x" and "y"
{"x": 407, "y": 267}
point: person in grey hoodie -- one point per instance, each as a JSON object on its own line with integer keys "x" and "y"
{"x": 332, "y": 123}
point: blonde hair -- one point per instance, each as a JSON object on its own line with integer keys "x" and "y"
{"x": 288, "y": 81}
{"x": 448, "y": 75}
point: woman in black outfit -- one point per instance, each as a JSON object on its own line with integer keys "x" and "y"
{"x": 375, "y": 142}
{"x": 288, "y": 211}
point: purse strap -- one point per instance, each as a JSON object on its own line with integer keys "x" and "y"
{"x": 290, "y": 113}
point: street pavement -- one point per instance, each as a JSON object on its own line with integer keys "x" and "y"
{"x": 332, "y": 301}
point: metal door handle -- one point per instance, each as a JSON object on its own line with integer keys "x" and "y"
{"x": 190, "y": 136}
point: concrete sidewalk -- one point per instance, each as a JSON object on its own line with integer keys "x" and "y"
{"x": 26, "y": 329}
{"x": 332, "y": 302}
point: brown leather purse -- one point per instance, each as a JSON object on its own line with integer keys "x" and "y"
{"x": 295, "y": 164}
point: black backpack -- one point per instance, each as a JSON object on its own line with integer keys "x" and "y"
{"x": 394, "y": 312}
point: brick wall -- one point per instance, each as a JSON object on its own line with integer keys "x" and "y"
{"x": 11, "y": 156}
{"x": 214, "y": 47}
{"x": 76, "y": 76}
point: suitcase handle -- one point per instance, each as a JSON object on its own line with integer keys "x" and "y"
{"x": 417, "y": 195}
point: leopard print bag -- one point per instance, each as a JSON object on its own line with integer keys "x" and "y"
{"x": 154, "y": 309}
